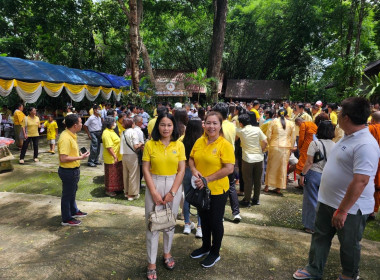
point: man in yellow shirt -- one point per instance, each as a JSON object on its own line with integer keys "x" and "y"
{"x": 51, "y": 132}
{"x": 332, "y": 107}
{"x": 68, "y": 171}
{"x": 229, "y": 133}
{"x": 18, "y": 118}
{"x": 288, "y": 109}
{"x": 255, "y": 108}
{"x": 152, "y": 122}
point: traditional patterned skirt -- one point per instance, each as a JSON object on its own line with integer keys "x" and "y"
{"x": 113, "y": 177}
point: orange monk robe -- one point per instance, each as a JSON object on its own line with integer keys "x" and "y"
{"x": 375, "y": 131}
{"x": 307, "y": 130}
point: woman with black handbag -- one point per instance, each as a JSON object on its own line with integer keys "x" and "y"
{"x": 212, "y": 158}
{"x": 163, "y": 168}
{"x": 311, "y": 174}
{"x": 194, "y": 130}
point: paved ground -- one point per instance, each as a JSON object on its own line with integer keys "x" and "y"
{"x": 110, "y": 244}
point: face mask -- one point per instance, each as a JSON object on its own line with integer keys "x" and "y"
{"x": 114, "y": 126}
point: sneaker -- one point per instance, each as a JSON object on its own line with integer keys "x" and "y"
{"x": 133, "y": 197}
{"x": 80, "y": 214}
{"x": 98, "y": 163}
{"x": 188, "y": 227}
{"x": 36, "y": 160}
{"x": 237, "y": 219}
{"x": 210, "y": 260}
{"x": 199, "y": 253}
{"x": 244, "y": 203}
{"x": 21, "y": 161}
{"x": 198, "y": 234}
{"x": 73, "y": 222}
{"x": 91, "y": 164}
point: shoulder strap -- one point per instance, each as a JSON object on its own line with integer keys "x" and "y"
{"x": 324, "y": 150}
{"x": 127, "y": 141}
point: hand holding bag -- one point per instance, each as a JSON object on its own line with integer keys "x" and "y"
{"x": 199, "y": 198}
{"x": 161, "y": 219}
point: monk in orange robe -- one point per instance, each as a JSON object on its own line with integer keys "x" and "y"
{"x": 374, "y": 128}
{"x": 307, "y": 130}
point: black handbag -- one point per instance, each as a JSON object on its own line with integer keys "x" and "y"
{"x": 318, "y": 156}
{"x": 200, "y": 198}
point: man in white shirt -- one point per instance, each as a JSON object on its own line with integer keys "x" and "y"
{"x": 253, "y": 142}
{"x": 345, "y": 197}
{"x": 93, "y": 128}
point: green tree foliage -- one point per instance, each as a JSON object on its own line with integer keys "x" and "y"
{"x": 302, "y": 42}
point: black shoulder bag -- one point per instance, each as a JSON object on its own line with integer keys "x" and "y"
{"x": 199, "y": 198}
{"x": 318, "y": 156}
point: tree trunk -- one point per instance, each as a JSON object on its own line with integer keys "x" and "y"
{"x": 217, "y": 45}
{"x": 359, "y": 29}
{"x": 145, "y": 54}
{"x": 134, "y": 42}
{"x": 350, "y": 31}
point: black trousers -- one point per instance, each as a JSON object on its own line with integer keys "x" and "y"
{"x": 26, "y": 144}
{"x": 212, "y": 223}
{"x": 234, "y": 200}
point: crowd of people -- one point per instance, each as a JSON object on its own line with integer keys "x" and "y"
{"x": 232, "y": 148}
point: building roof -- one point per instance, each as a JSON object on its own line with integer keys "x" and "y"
{"x": 257, "y": 89}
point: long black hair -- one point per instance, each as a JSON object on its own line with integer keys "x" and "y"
{"x": 194, "y": 130}
{"x": 282, "y": 113}
{"x": 156, "y": 133}
{"x": 182, "y": 119}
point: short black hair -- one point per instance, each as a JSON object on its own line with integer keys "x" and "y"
{"x": 156, "y": 133}
{"x": 333, "y": 106}
{"x": 325, "y": 130}
{"x": 244, "y": 119}
{"x": 71, "y": 120}
{"x": 95, "y": 107}
{"x": 222, "y": 108}
{"x": 256, "y": 102}
{"x": 300, "y": 105}
{"x": 357, "y": 109}
{"x": 162, "y": 110}
{"x": 270, "y": 113}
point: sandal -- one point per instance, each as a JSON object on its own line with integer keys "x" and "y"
{"x": 340, "y": 277}
{"x": 151, "y": 274}
{"x": 266, "y": 189}
{"x": 307, "y": 230}
{"x": 305, "y": 275}
{"x": 169, "y": 263}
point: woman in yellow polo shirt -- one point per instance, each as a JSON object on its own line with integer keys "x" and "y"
{"x": 332, "y": 108}
{"x": 163, "y": 167}
{"x": 213, "y": 158}
{"x": 113, "y": 167}
{"x": 30, "y": 126}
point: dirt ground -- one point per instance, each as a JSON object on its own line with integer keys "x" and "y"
{"x": 110, "y": 243}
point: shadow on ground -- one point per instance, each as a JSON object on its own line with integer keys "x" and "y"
{"x": 110, "y": 244}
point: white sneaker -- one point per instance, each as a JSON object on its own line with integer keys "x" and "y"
{"x": 198, "y": 234}
{"x": 237, "y": 218}
{"x": 36, "y": 160}
{"x": 188, "y": 227}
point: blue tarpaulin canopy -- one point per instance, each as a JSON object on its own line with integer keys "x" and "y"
{"x": 29, "y": 77}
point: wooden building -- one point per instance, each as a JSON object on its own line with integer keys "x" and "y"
{"x": 257, "y": 89}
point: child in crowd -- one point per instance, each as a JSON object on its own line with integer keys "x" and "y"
{"x": 52, "y": 132}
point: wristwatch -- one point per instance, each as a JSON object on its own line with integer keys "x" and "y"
{"x": 172, "y": 193}
{"x": 303, "y": 175}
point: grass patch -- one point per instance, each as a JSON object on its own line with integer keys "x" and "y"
{"x": 275, "y": 211}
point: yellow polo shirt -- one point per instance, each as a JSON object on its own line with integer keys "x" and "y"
{"x": 151, "y": 124}
{"x": 289, "y": 110}
{"x": 334, "y": 118}
{"x": 110, "y": 140}
{"x": 51, "y": 129}
{"x": 209, "y": 158}
{"x": 68, "y": 145}
{"x": 18, "y": 117}
{"x": 164, "y": 160}
{"x": 256, "y": 113}
{"x": 31, "y": 126}
{"x": 229, "y": 132}
{"x": 120, "y": 127}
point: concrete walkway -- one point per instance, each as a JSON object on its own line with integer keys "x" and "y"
{"x": 110, "y": 244}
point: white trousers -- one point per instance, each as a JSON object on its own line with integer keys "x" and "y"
{"x": 163, "y": 186}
